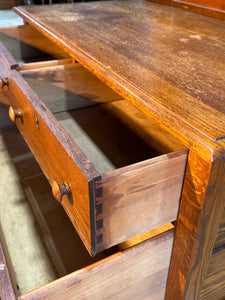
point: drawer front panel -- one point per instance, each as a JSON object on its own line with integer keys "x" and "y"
{"x": 58, "y": 155}
{"x": 138, "y": 272}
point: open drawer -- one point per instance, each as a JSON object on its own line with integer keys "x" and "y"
{"x": 45, "y": 257}
{"x": 96, "y": 158}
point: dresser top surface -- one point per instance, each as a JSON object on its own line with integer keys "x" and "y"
{"x": 165, "y": 60}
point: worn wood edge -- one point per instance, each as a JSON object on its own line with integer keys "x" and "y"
{"x": 16, "y": 82}
{"x": 75, "y": 214}
{"x": 190, "y": 135}
{"x": 142, "y": 237}
{"x": 200, "y": 9}
{"x": 149, "y": 162}
{"x": 80, "y": 275}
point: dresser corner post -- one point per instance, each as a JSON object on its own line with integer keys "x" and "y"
{"x": 200, "y": 213}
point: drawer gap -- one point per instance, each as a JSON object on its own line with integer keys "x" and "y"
{"x": 115, "y": 135}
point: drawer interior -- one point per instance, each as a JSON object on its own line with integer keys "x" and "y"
{"x": 112, "y": 134}
{"x": 105, "y": 143}
{"x": 26, "y": 44}
{"x": 120, "y": 142}
{"x": 39, "y": 242}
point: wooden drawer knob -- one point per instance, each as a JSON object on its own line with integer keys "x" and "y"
{"x": 14, "y": 114}
{"x": 58, "y": 190}
{"x": 3, "y": 82}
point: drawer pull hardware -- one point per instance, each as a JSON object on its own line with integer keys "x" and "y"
{"x": 15, "y": 113}
{"x": 4, "y": 82}
{"x": 59, "y": 190}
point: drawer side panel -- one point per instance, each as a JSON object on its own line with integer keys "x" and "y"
{"x": 138, "y": 198}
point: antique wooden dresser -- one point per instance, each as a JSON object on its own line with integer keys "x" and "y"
{"x": 122, "y": 105}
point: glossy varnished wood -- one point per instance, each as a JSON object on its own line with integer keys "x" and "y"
{"x": 165, "y": 61}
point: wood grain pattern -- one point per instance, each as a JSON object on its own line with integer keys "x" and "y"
{"x": 139, "y": 272}
{"x": 198, "y": 221}
{"x": 6, "y": 289}
{"x": 209, "y": 8}
{"x": 220, "y": 236}
{"x": 66, "y": 86}
{"x": 213, "y": 285}
{"x": 51, "y": 145}
{"x": 147, "y": 192}
{"x": 169, "y": 87}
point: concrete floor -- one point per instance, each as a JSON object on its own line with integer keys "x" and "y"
{"x": 9, "y": 18}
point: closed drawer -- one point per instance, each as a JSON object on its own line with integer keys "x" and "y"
{"x": 96, "y": 158}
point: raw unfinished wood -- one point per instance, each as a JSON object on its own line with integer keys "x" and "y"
{"x": 45, "y": 64}
{"x": 139, "y": 272}
{"x": 138, "y": 198}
